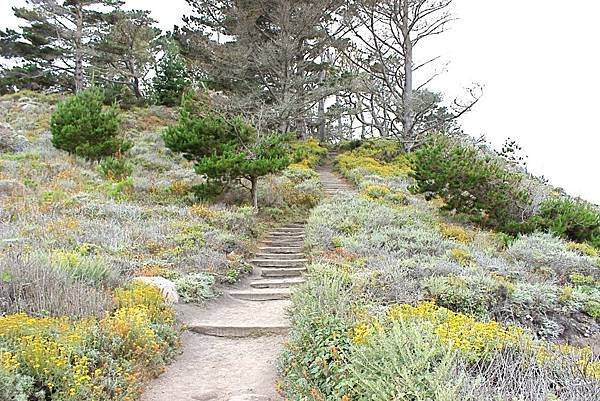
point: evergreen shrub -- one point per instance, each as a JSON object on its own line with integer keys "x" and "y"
{"x": 471, "y": 183}
{"x": 82, "y": 127}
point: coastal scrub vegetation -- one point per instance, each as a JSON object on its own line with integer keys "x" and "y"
{"x": 417, "y": 300}
{"x": 78, "y": 234}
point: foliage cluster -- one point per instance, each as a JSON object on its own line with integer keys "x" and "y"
{"x": 347, "y": 162}
{"x": 110, "y": 358}
{"x": 346, "y": 345}
{"x": 225, "y": 149}
{"x": 82, "y": 127}
{"x": 413, "y": 258}
{"x": 115, "y": 169}
{"x": 471, "y": 183}
{"x": 69, "y": 238}
{"x": 308, "y": 152}
{"x": 385, "y": 194}
{"x": 479, "y": 186}
{"x": 576, "y": 220}
{"x": 171, "y": 80}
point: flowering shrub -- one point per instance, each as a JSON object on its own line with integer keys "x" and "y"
{"x": 456, "y": 233}
{"x": 384, "y": 194}
{"x": 471, "y": 337}
{"x": 298, "y": 173}
{"x": 462, "y": 256}
{"x": 470, "y": 319}
{"x": 584, "y": 249}
{"x": 347, "y": 162}
{"x": 406, "y": 362}
{"x": 475, "y": 295}
{"x": 307, "y": 153}
{"x": 64, "y": 359}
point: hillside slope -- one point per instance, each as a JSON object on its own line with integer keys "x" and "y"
{"x": 407, "y": 302}
{"x": 73, "y": 324}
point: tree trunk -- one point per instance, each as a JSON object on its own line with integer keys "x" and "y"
{"x": 136, "y": 87}
{"x": 254, "y": 192}
{"x": 321, "y": 113}
{"x": 79, "y": 50}
{"x": 322, "y": 120}
{"x": 407, "y": 92}
{"x": 135, "y": 80}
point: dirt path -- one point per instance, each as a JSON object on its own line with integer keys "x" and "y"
{"x": 232, "y": 344}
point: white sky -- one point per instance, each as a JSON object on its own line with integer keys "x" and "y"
{"x": 541, "y": 74}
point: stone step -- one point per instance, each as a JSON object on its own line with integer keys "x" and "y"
{"x": 281, "y": 249}
{"x": 238, "y": 331}
{"x": 278, "y": 272}
{"x": 283, "y": 239}
{"x": 276, "y": 283}
{"x": 288, "y": 229}
{"x": 286, "y": 256}
{"x": 284, "y": 235}
{"x": 266, "y": 294}
{"x": 282, "y": 243}
{"x": 279, "y": 262}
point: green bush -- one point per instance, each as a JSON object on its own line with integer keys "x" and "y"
{"x": 82, "y": 127}
{"x": 122, "y": 95}
{"x": 473, "y": 295}
{"x": 315, "y": 357}
{"x": 115, "y": 169}
{"x": 471, "y": 183}
{"x": 573, "y": 219}
{"x": 119, "y": 190}
{"x": 407, "y": 363}
{"x": 384, "y": 150}
{"x": 89, "y": 269}
{"x": 171, "y": 80}
{"x": 226, "y": 149}
{"x": 195, "y": 288}
{"x": 298, "y": 175}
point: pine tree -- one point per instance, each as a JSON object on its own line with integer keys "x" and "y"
{"x": 81, "y": 126}
{"x": 268, "y": 55}
{"x": 226, "y": 149}
{"x": 126, "y": 54}
{"x": 171, "y": 78}
{"x": 29, "y": 77}
{"x": 56, "y": 38}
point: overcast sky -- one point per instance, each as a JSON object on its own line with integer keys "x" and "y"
{"x": 537, "y": 61}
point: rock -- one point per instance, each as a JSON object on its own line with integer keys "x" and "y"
{"x": 208, "y": 396}
{"x": 12, "y": 188}
{"x": 167, "y": 287}
{"x": 249, "y": 397}
{"x": 10, "y": 141}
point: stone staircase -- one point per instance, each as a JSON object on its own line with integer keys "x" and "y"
{"x": 257, "y": 306}
{"x": 232, "y": 343}
{"x": 332, "y": 183}
{"x": 279, "y": 263}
